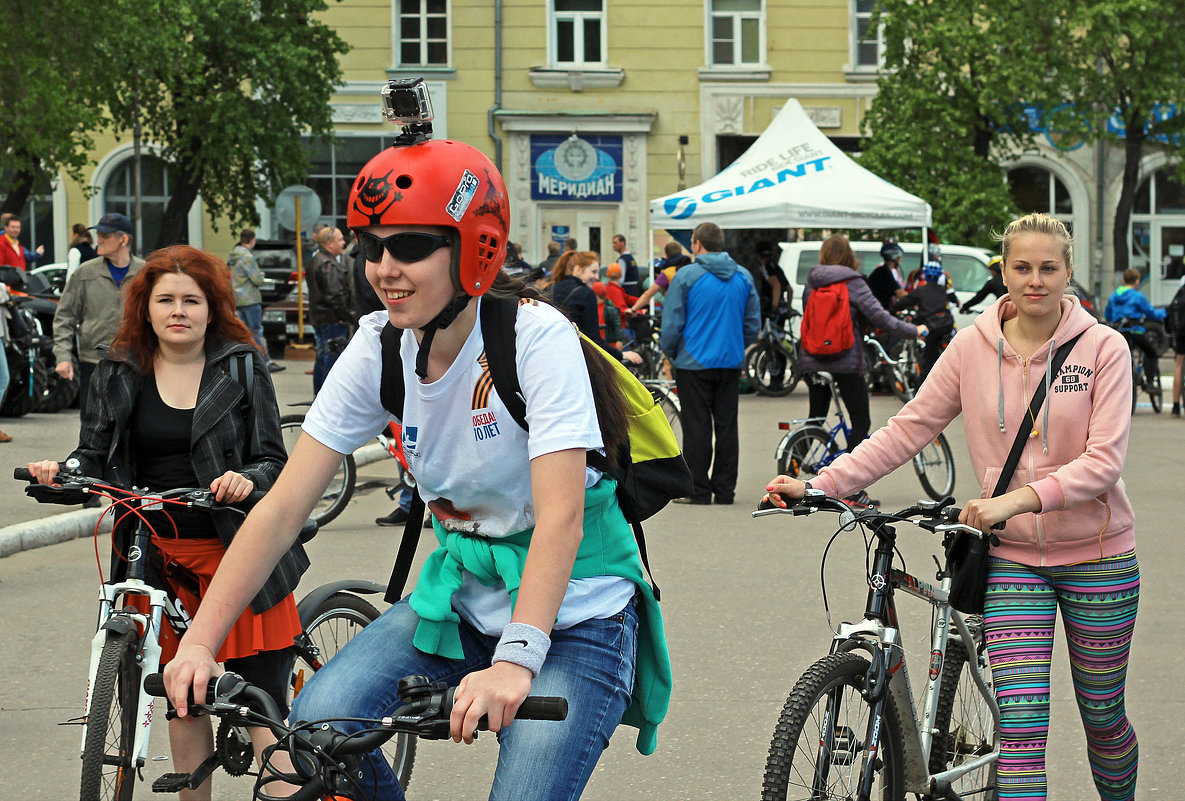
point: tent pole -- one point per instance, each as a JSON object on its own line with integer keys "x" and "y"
{"x": 925, "y": 244}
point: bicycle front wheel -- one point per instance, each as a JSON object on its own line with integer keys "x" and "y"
{"x": 108, "y": 769}
{"x": 335, "y": 622}
{"x": 341, "y": 487}
{"x": 803, "y": 453}
{"x": 935, "y": 467}
{"x": 772, "y": 371}
{"x": 821, "y": 743}
{"x": 963, "y": 722}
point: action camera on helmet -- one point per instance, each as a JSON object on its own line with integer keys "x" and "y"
{"x": 406, "y": 101}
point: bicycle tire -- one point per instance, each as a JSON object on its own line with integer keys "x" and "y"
{"x": 773, "y": 371}
{"x": 337, "y": 495}
{"x": 963, "y": 723}
{"x": 935, "y": 467}
{"x": 803, "y": 453}
{"x": 335, "y": 622}
{"x": 1154, "y": 393}
{"x": 669, "y": 403}
{"x": 803, "y": 732}
{"x": 108, "y": 772}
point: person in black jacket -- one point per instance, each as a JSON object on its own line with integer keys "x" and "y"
{"x": 931, "y": 298}
{"x": 885, "y": 281}
{"x": 994, "y": 286}
{"x": 576, "y": 271}
{"x": 166, "y": 413}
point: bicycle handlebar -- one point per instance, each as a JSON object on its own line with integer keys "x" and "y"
{"x": 74, "y": 488}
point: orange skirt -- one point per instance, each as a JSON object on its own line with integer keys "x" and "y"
{"x": 273, "y": 630}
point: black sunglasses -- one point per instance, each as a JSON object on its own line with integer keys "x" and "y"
{"x": 405, "y": 247}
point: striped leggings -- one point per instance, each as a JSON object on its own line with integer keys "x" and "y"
{"x": 1098, "y": 601}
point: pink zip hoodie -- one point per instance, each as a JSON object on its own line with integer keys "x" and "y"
{"x": 1073, "y": 465}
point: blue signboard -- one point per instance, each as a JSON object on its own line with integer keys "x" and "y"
{"x": 581, "y": 168}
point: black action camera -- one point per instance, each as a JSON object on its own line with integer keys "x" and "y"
{"x": 406, "y": 102}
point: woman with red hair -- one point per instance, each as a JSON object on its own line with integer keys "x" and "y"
{"x": 167, "y": 413}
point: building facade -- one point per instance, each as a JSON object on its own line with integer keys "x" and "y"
{"x": 593, "y": 107}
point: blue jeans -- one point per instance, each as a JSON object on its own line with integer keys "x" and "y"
{"x": 322, "y": 334}
{"x": 4, "y": 376}
{"x": 252, "y": 317}
{"x": 591, "y": 664}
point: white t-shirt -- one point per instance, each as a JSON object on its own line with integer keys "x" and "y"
{"x": 470, "y": 459}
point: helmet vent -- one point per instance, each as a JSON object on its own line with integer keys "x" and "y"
{"x": 403, "y": 181}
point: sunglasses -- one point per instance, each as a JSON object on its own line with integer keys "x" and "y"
{"x": 405, "y": 247}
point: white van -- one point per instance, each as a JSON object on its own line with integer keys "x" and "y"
{"x": 967, "y": 267}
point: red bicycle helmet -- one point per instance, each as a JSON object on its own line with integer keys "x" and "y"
{"x": 444, "y": 183}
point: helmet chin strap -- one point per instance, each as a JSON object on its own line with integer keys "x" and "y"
{"x": 442, "y": 320}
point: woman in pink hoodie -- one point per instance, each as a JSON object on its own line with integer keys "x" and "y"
{"x": 1070, "y": 537}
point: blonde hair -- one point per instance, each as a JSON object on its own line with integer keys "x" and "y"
{"x": 1038, "y": 223}
{"x": 323, "y": 236}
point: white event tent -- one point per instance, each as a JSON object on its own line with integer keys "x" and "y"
{"x": 792, "y": 176}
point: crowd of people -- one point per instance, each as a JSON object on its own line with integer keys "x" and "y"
{"x": 536, "y": 586}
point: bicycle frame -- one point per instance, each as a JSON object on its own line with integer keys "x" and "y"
{"x": 878, "y": 635}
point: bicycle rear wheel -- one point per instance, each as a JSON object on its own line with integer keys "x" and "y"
{"x": 772, "y": 371}
{"x": 669, "y": 402}
{"x": 935, "y": 467}
{"x": 341, "y": 487}
{"x": 108, "y": 769}
{"x": 820, "y": 744}
{"x": 335, "y": 622}
{"x": 963, "y": 723}
{"x": 803, "y": 453}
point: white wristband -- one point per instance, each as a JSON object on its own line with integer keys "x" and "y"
{"x": 523, "y": 644}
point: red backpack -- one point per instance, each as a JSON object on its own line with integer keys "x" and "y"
{"x": 827, "y": 321}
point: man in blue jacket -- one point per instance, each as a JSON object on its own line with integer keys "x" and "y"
{"x": 1128, "y": 303}
{"x": 710, "y": 313}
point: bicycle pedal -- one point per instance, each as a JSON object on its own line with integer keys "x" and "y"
{"x": 171, "y": 783}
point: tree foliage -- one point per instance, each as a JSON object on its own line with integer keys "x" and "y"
{"x": 49, "y": 106}
{"x": 226, "y": 89}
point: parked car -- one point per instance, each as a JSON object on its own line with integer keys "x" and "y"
{"x": 277, "y": 259}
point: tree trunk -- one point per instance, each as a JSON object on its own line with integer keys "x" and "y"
{"x": 173, "y": 229}
{"x": 18, "y": 196}
{"x": 1133, "y": 148}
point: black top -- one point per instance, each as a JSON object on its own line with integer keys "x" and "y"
{"x": 160, "y": 451}
{"x": 931, "y": 301}
{"x": 883, "y": 285}
{"x": 993, "y": 286}
{"x": 579, "y": 302}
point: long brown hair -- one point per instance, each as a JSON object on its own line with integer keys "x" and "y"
{"x": 137, "y": 342}
{"x": 610, "y": 403}
{"x": 837, "y": 250}
{"x": 572, "y": 261}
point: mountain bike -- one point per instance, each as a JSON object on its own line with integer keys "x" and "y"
{"x": 850, "y": 727}
{"x": 117, "y": 715}
{"x": 897, "y": 375}
{"x": 325, "y": 761}
{"x": 805, "y": 450}
{"x": 1142, "y": 381}
{"x": 771, "y": 362}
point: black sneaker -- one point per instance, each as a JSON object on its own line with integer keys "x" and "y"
{"x": 695, "y": 501}
{"x": 273, "y": 367}
{"x": 1176, "y": 410}
{"x": 396, "y": 518}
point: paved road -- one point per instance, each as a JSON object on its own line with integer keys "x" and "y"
{"x": 744, "y": 619}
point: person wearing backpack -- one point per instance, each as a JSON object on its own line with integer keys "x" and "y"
{"x": 710, "y": 313}
{"x": 833, "y": 333}
{"x": 1068, "y": 549}
{"x": 537, "y": 585}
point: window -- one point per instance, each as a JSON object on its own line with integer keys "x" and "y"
{"x": 119, "y": 195}
{"x": 421, "y": 33}
{"x": 737, "y": 33}
{"x": 578, "y": 33}
{"x": 868, "y": 44}
{"x": 1035, "y": 188}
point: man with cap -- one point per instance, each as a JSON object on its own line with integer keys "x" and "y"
{"x": 92, "y": 302}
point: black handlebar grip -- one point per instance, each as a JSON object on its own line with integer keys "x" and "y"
{"x": 542, "y": 707}
{"x": 22, "y": 474}
{"x": 766, "y": 504}
{"x": 154, "y": 684}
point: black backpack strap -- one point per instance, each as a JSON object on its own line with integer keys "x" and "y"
{"x": 407, "y": 549}
{"x": 242, "y": 370}
{"x": 1026, "y": 426}
{"x": 391, "y": 386}
{"x": 497, "y": 330}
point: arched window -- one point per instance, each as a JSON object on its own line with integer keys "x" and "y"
{"x": 119, "y": 195}
{"x": 1158, "y": 233}
{"x": 1035, "y": 188}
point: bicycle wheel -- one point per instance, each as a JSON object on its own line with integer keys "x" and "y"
{"x": 1154, "y": 393}
{"x": 935, "y": 467}
{"x": 669, "y": 402}
{"x": 108, "y": 772}
{"x": 335, "y": 622}
{"x": 773, "y": 372}
{"x": 341, "y": 487}
{"x": 1137, "y": 377}
{"x": 820, "y": 743}
{"x": 803, "y": 453}
{"x": 963, "y": 719}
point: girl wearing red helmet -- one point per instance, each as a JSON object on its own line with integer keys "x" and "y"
{"x": 536, "y": 587}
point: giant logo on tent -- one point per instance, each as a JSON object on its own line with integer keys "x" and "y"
{"x": 576, "y": 167}
{"x": 681, "y": 207}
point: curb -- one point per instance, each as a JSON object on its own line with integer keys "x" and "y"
{"x": 81, "y": 523}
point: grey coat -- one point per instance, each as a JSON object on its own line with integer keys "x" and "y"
{"x": 866, "y": 312}
{"x": 221, "y": 440}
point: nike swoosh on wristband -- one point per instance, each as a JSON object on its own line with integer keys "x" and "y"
{"x": 515, "y": 642}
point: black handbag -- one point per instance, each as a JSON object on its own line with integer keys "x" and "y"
{"x": 967, "y": 553}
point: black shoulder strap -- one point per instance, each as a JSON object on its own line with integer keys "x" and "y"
{"x": 1026, "y": 426}
{"x": 242, "y": 370}
{"x": 497, "y": 330}
{"x": 391, "y": 387}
